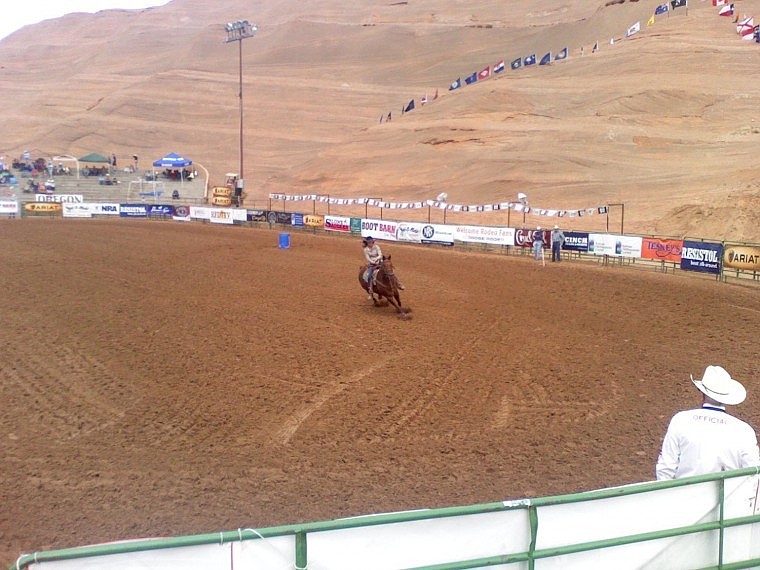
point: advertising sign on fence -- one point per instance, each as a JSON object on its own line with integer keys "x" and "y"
{"x": 618, "y": 246}
{"x": 133, "y": 210}
{"x": 701, "y": 256}
{"x": 8, "y": 207}
{"x": 274, "y": 217}
{"x": 338, "y": 223}
{"x": 256, "y": 215}
{"x": 314, "y": 220}
{"x": 76, "y": 210}
{"x": 744, "y": 257}
{"x": 42, "y": 208}
{"x": 437, "y": 233}
{"x": 661, "y": 249}
{"x": 575, "y": 241}
{"x": 379, "y": 229}
{"x": 485, "y": 234}
{"x": 104, "y": 209}
{"x": 525, "y": 238}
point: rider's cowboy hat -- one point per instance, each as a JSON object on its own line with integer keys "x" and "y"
{"x": 369, "y": 238}
{"x": 716, "y": 383}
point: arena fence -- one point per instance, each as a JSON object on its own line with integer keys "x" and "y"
{"x": 704, "y": 522}
{"x": 721, "y": 260}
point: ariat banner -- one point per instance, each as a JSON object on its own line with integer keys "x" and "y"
{"x": 42, "y": 207}
{"x": 745, "y": 257}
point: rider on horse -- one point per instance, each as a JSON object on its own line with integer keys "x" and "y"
{"x": 374, "y": 257}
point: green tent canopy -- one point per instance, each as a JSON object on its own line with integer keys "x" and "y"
{"x": 95, "y": 157}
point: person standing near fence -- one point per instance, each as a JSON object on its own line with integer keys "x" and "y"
{"x": 708, "y": 439}
{"x": 538, "y": 243}
{"x": 558, "y": 238}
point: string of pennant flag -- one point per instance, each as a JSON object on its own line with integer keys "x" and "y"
{"x": 442, "y": 205}
{"x": 548, "y": 58}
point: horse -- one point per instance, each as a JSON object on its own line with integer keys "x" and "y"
{"x": 385, "y": 285}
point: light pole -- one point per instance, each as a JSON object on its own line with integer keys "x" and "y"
{"x": 237, "y": 32}
{"x": 524, "y": 201}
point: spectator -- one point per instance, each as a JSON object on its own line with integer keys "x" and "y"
{"x": 558, "y": 238}
{"x": 708, "y": 439}
{"x": 538, "y": 243}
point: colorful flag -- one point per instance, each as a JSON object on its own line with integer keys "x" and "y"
{"x": 485, "y": 72}
{"x": 662, "y": 8}
{"x": 596, "y": 47}
{"x": 677, "y": 3}
{"x": 650, "y": 21}
{"x": 612, "y": 41}
{"x": 472, "y": 78}
{"x": 424, "y": 99}
{"x": 499, "y": 67}
{"x": 726, "y": 10}
{"x": 633, "y": 29}
{"x": 516, "y": 63}
{"x": 546, "y": 59}
{"x": 530, "y": 60}
{"x": 748, "y": 21}
{"x": 455, "y": 84}
{"x": 561, "y": 55}
{"x": 436, "y": 94}
{"x": 719, "y": 2}
{"x": 409, "y": 107}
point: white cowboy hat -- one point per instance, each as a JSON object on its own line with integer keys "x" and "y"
{"x": 717, "y": 384}
{"x": 556, "y": 227}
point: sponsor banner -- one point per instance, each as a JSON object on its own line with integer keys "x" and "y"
{"x": 661, "y": 249}
{"x": 182, "y": 214}
{"x": 160, "y": 210}
{"x": 133, "y": 210}
{"x": 8, "y": 207}
{"x": 482, "y": 234}
{"x": 296, "y": 219}
{"x": 314, "y": 220}
{"x": 104, "y": 209}
{"x": 42, "y": 208}
{"x": 379, "y": 229}
{"x": 744, "y": 257}
{"x": 338, "y": 223}
{"x": 79, "y": 198}
{"x": 218, "y": 215}
{"x": 437, "y": 233}
{"x": 356, "y": 225}
{"x": 72, "y": 210}
{"x": 616, "y": 246}
{"x": 410, "y": 232}
{"x": 575, "y": 241}
{"x": 701, "y": 256}
{"x": 256, "y": 215}
{"x": 525, "y": 238}
{"x": 279, "y": 217}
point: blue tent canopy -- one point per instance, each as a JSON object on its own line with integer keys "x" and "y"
{"x": 173, "y": 160}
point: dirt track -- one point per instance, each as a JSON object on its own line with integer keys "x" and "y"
{"x": 160, "y": 379}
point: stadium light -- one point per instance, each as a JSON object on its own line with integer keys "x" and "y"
{"x": 237, "y": 32}
{"x": 524, "y": 201}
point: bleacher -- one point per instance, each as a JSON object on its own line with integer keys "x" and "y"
{"x": 130, "y": 188}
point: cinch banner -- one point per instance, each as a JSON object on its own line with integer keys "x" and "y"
{"x": 575, "y": 241}
{"x": 701, "y": 256}
{"x": 744, "y": 257}
{"x": 662, "y": 249}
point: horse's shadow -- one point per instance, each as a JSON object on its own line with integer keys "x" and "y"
{"x": 385, "y": 286}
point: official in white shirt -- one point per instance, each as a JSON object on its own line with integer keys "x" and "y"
{"x": 708, "y": 439}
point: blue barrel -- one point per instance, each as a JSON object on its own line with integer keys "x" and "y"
{"x": 284, "y": 241}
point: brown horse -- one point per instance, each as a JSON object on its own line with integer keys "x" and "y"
{"x": 385, "y": 285}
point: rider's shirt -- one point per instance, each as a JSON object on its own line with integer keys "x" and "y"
{"x": 373, "y": 254}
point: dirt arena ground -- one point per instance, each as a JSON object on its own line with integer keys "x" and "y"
{"x": 161, "y": 379}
